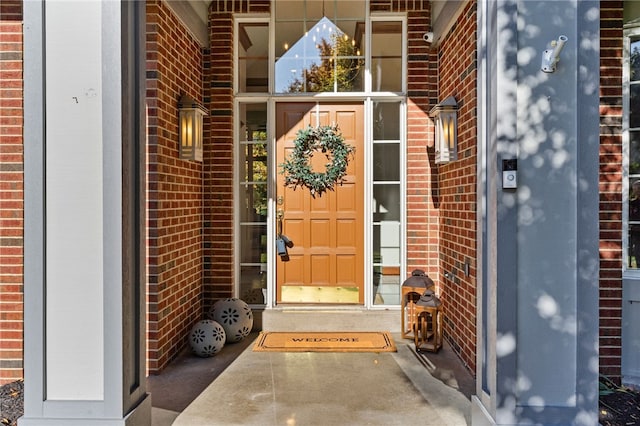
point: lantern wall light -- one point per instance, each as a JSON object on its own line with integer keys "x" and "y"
{"x": 445, "y": 116}
{"x": 191, "y": 114}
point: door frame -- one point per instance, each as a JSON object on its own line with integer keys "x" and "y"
{"x": 312, "y": 114}
{"x": 367, "y": 263}
{"x": 368, "y": 102}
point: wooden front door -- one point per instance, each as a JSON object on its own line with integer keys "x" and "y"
{"x": 325, "y": 264}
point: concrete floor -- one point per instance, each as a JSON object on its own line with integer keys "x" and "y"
{"x": 242, "y": 387}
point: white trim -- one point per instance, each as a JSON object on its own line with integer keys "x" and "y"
{"x": 486, "y": 197}
{"x": 403, "y": 191}
{"x": 76, "y": 244}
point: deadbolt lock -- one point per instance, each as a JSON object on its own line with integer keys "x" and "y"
{"x": 280, "y": 200}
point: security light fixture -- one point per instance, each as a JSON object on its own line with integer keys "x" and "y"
{"x": 191, "y": 113}
{"x": 445, "y": 116}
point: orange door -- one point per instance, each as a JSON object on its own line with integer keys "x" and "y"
{"x": 325, "y": 265}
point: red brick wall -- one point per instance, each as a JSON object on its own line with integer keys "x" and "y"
{"x": 422, "y": 184}
{"x": 422, "y": 222}
{"x": 457, "y": 180}
{"x": 175, "y": 190}
{"x": 218, "y": 158}
{"x": 610, "y": 188}
{"x": 11, "y": 191}
{"x": 219, "y": 148}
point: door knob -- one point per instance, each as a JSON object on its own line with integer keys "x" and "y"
{"x": 280, "y": 214}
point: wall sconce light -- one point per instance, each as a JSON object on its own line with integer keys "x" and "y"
{"x": 445, "y": 116}
{"x": 191, "y": 113}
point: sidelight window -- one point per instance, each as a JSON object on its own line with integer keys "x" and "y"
{"x": 253, "y": 176}
{"x": 386, "y": 203}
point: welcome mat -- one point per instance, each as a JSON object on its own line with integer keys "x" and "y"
{"x": 320, "y": 341}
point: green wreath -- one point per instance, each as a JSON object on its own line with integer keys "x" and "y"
{"x": 326, "y": 139}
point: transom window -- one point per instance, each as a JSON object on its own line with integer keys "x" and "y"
{"x": 319, "y": 46}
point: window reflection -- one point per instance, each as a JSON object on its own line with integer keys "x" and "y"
{"x": 634, "y": 60}
{"x": 386, "y": 203}
{"x": 252, "y": 175}
{"x": 386, "y": 165}
{"x": 386, "y": 59}
{"x": 634, "y": 153}
{"x": 253, "y": 57}
{"x": 386, "y": 243}
{"x": 319, "y": 52}
{"x": 386, "y": 121}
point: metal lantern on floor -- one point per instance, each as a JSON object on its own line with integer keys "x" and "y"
{"x": 427, "y": 329}
{"x": 207, "y": 338}
{"x": 235, "y": 316}
{"x": 412, "y": 289}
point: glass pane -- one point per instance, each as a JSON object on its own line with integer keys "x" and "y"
{"x": 253, "y": 244}
{"x": 387, "y": 290}
{"x": 252, "y": 179}
{"x": 386, "y": 258}
{"x": 253, "y": 163}
{"x": 253, "y": 122}
{"x": 253, "y": 284}
{"x": 253, "y": 57}
{"x": 354, "y": 9}
{"x": 317, "y": 9}
{"x": 386, "y": 162}
{"x": 386, "y": 202}
{"x": 286, "y": 9}
{"x": 253, "y": 202}
{"x": 349, "y": 53}
{"x": 386, "y": 243}
{"x": 386, "y": 121}
{"x": 634, "y": 60}
{"x": 634, "y": 152}
{"x": 386, "y": 56}
{"x": 386, "y": 74}
{"x": 286, "y": 34}
{"x": 634, "y": 106}
{"x": 318, "y": 53}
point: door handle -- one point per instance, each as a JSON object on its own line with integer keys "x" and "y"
{"x": 280, "y": 216}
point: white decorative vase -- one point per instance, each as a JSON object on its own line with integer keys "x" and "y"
{"x": 207, "y": 338}
{"x": 235, "y": 316}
